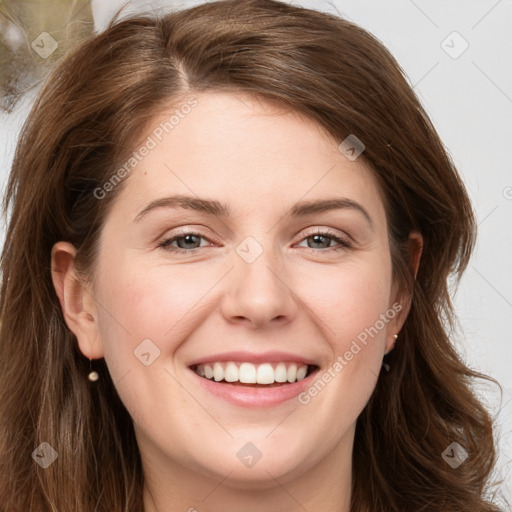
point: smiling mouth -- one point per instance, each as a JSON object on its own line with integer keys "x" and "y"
{"x": 265, "y": 375}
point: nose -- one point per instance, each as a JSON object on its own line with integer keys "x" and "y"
{"x": 258, "y": 293}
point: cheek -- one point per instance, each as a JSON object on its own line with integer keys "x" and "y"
{"x": 349, "y": 298}
{"x": 353, "y": 304}
{"x": 145, "y": 315}
{"x": 141, "y": 302}
{"x": 151, "y": 301}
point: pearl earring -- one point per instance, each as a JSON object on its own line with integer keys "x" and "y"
{"x": 385, "y": 365}
{"x": 395, "y": 336}
{"x": 93, "y": 376}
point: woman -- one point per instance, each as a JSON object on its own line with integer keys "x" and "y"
{"x": 296, "y": 356}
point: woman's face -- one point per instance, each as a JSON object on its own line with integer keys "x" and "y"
{"x": 254, "y": 275}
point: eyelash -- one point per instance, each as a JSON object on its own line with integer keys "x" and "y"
{"x": 343, "y": 244}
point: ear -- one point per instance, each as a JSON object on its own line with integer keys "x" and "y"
{"x": 404, "y": 302}
{"x": 76, "y": 300}
{"x": 415, "y": 250}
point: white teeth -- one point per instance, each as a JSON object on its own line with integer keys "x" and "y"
{"x": 280, "y": 373}
{"x": 218, "y": 372}
{"x": 208, "y": 372}
{"x": 292, "y": 373}
{"x": 231, "y": 372}
{"x": 265, "y": 374}
{"x": 301, "y": 372}
{"x": 248, "y": 373}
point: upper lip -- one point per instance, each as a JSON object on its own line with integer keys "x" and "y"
{"x": 252, "y": 357}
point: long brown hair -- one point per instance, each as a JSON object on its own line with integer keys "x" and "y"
{"x": 85, "y": 122}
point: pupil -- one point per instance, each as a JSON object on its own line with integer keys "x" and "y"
{"x": 187, "y": 239}
{"x": 316, "y": 239}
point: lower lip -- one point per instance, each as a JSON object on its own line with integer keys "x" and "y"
{"x": 255, "y": 397}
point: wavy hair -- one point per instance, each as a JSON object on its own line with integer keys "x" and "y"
{"x": 83, "y": 125}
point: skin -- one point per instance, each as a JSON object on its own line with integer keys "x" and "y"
{"x": 298, "y": 296}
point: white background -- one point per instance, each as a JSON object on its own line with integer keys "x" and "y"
{"x": 469, "y": 99}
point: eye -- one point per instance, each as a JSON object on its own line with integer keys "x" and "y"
{"x": 324, "y": 239}
{"x": 189, "y": 242}
{"x": 186, "y": 241}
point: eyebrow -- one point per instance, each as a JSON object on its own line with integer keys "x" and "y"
{"x": 214, "y": 207}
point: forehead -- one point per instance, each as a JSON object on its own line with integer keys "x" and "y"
{"x": 245, "y": 152}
